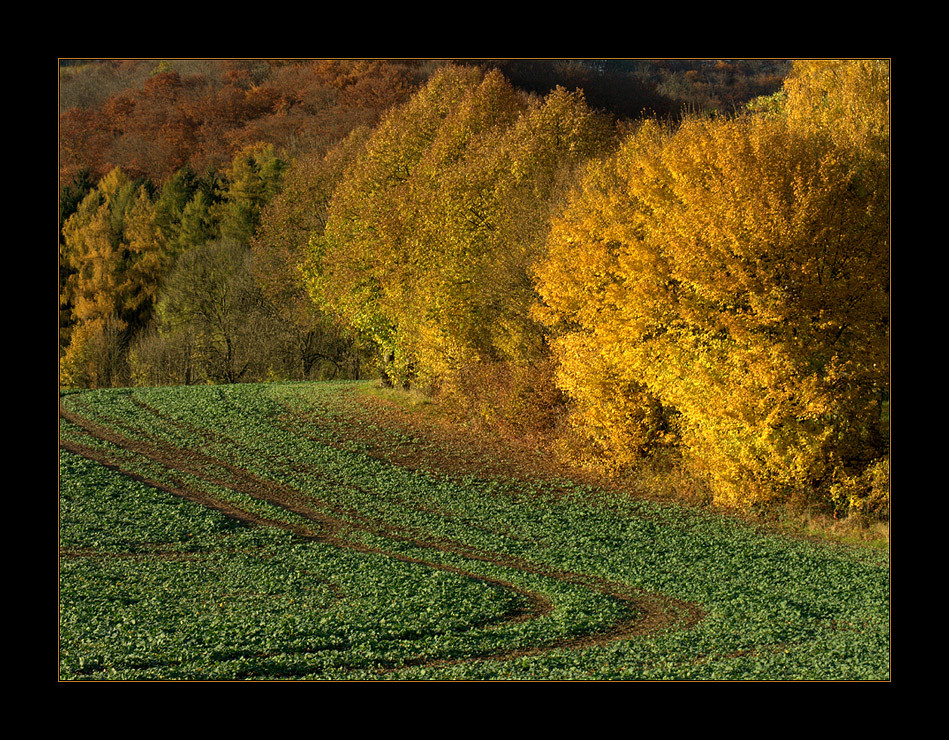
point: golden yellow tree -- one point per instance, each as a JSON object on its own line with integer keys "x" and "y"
{"x": 848, "y": 100}
{"x": 737, "y": 272}
{"x": 115, "y": 252}
{"x": 591, "y": 271}
{"x": 433, "y": 229}
{"x": 485, "y": 223}
{"x": 363, "y": 266}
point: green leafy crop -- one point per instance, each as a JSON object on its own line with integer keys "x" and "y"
{"x": 230, "y": 533}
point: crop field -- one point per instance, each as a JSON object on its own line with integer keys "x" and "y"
{"x": 270, "y": 532}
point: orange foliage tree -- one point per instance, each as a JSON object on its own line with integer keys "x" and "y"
{"x": 163, "y": 116}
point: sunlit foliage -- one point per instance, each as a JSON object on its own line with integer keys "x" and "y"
{"x": 433, "y": 231}
{"x": 731, "y": 277}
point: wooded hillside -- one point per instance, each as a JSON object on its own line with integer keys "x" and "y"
{"x": 634, "y": 260}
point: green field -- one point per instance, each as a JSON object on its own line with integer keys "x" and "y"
{"x": 263, "y": 531}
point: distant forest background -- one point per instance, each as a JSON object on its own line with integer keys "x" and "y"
{"x": 155, "y": 117}
{"x": 509, "y": 236}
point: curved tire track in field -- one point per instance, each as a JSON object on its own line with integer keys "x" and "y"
{"x": 328, "y": 522}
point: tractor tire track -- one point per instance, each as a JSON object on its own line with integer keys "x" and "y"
{"x": 335, "y": 524}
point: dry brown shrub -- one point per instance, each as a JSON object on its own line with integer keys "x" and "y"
{"x": 517, "y": 401}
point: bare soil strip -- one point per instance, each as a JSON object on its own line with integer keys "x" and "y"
{"x": 333, "y": 524}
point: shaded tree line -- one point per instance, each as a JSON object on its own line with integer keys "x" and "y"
{"x": 166, "y": 171}
{"x": 165, "y": 286}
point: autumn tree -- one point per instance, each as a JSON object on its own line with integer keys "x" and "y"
{"x": 848, "y": 100}
{"x": 585, "y": 283}
{"x": 363, "y": 264}
{"x": 731, "y": 278}
{"x": 450, "y": 226}
{"x": 487, "y": 223}
{"x": 70, "y": 196}
{"x": 115, "y": 254}
{"x": 432, "y": 231}
{"x": 83, "y": 142}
